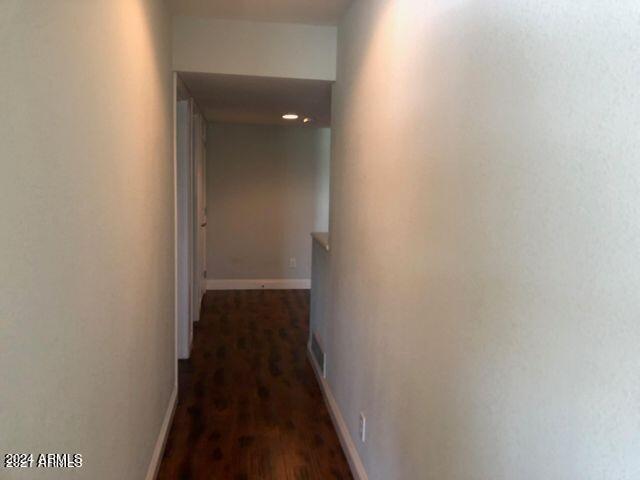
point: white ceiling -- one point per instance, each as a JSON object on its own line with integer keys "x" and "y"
{"x": 259, "y": 100}
{"x": 314, "y": 12}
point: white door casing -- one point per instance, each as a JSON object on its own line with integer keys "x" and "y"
{"x": 184, "y": 226}
{"x": 199, "y": 217}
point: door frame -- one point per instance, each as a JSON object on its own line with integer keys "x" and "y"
{"x": 189, "y": 215}
{"x": 184, "y": 228}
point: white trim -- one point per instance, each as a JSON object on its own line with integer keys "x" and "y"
{"x": 259, "y": 284}
{"x": 350, "y": 450}
{"x": 156, "y": 458}
{"x": 184, "y": 265}
{"x": 175, "y": 231}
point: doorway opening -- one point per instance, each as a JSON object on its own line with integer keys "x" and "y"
{"x": 252, "y": 184}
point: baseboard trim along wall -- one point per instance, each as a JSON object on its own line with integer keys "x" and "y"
{"x": 161, "y": 442}
{"x": 259, "y": 284}
{"x": 350, "y": 450}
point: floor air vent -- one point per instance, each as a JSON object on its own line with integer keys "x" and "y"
{"x": 318, "y": 355}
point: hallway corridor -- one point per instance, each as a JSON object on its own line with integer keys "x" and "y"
{"x": 249, "y": 405}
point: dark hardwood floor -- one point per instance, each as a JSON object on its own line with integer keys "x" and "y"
{"x": 249, "y": 405}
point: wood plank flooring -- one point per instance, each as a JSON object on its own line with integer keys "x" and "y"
{"x": 249, "y": 405}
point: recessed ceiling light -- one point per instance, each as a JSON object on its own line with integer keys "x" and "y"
{"x": 290, "y": 116}
{"x": 307, "y": 120}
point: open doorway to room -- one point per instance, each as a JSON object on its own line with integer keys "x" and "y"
{"x": 267, "y": 176}
{"x": 252, "y": 174}
{"x": 255, "y": 176}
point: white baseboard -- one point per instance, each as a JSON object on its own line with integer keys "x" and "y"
{"x": 158, "y": 451}
{"x": 259, "y": 284}
{"x": 350, "y": 451}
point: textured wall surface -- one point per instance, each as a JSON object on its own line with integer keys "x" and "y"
{"x": 266, "y": 192}
{"x": 86, "y": 236}
{"x": 485, "y": 225}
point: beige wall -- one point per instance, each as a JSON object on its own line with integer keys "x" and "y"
{"x": 208, "y": 45}
{"x": 485, "y": 226}
{"x": 266, "y": 192}
{"x": 86, "y": 236}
